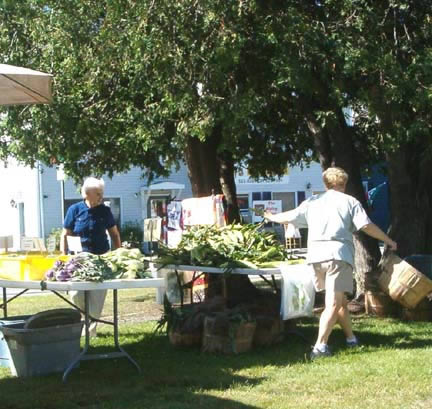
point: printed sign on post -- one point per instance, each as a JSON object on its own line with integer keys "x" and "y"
{"x": 27, "y": 243}
{"x": 6, "y": 242}
{"x": 262, "y": 206}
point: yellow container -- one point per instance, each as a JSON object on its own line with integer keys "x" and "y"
{"x": 27, "y": 267}
{"x": 36, "y": 266}
{"x": 12, "y": 267}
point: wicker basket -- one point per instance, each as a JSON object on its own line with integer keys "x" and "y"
{"x": 225, "y": 337}
{"x": 180, "y": 339}
{"x": 423, "y": 312}
{"x": 403, "y": 282}
{"x": 269, "y": 330}
{"x": 381, "y": 305}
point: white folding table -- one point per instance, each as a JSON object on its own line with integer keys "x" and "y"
{"x": 160, "y": 271}
{"x": 56, "y": 286}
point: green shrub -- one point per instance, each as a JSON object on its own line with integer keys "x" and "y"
{"x": 56, "y": 233}
{"x": 132, "y": 232}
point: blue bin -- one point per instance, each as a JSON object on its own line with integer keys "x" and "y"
{"x": 5, "y": 358}
{"x": 422, "y": 263}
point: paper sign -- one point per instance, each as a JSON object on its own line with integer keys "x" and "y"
{"x": 27, "y": 243}
{"x": 51, "y": 244}
{"x": 263, "y": 206}
{"x": 152, "y": 229}
{"x": 74, "y": 244}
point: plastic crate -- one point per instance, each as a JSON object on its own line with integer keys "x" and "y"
{"x": 27, "y": 267}
{"x": 36, "y": 266}
{"x": 44, "y": 349}
{"x": 5, "y": 358}
{"x": 12, "y": 267}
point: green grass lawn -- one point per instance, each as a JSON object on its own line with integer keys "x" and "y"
{"x": 393, "y": 369}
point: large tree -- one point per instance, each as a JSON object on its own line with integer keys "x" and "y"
{"x": 146, "y": 84}
{"x": 140, "y": 84}
{"x": 314, "y": 62}
{"x": 222, "y": 84}
{"x": 372, "y": 57}
{"x": 396, "y": 62}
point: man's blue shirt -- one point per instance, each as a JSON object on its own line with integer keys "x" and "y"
{"x": 90, "y": 223}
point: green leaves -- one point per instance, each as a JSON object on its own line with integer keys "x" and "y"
{"x": 224, "y": 247}
{"x": 134, "y": 80}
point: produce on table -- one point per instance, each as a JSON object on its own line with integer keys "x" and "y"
{"x": 232, "y": 246}
{"x": 82, "y": 267}
{"x": 127, "y": 263}
{"x": 120, "y": 263}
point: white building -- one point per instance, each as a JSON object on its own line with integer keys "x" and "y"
{"x": 31, "y": 200}
{"x": 295, "y": 186}
{"x": 20, "y": 203}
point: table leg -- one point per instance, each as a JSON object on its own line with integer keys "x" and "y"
{"x": 116, "y": 340}
{"x": 6, "y": 301}
{"x": 84, "y": 356}
{"x": 87, "y": 338}
{"x": 4, "y": 305}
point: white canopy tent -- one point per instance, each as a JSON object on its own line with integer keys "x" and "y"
{"x": 21, "y": 86}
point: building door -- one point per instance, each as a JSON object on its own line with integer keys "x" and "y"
{"x": 157, "y": 206}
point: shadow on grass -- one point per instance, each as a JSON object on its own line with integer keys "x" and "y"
{"x": 414, "y": 335}
{"x": 170, "y": 378}
{"x": 178, "y": 378}
{"x": 399, "y": 339}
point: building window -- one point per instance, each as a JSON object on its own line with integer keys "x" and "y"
{"x": 301, "y": 196}
{"x": 261, "y": 196}
{"x": 256, "y": 196}
{"x": 287, "y": 198}
{"x": 243, "y": 202}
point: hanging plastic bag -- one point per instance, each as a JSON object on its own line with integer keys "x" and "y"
{"x": 298, "y": 291}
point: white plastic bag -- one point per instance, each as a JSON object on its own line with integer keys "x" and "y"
{"x": 298, "y": 291}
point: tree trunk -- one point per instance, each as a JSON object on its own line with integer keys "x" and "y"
{"x": 211, "y": 172}
{"x": 203, "y": 166}
{"x": 410, "y": 173}
{"x": 335, "y": 147}
{"x": 226, "y": 172}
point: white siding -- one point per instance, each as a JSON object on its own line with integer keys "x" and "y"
{"x": 20, "y": 185}
{"x": 298, "y": 180}
{"x": 52, "y": 199}
{"x": 125, "y": 186}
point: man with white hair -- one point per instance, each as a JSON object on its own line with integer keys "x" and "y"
{"x": 332, "y": 218}
{"x": 90, "y": 219}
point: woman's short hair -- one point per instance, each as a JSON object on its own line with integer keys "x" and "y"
{"x": 334, "y": 177}
{"x": 92, "y": 183}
